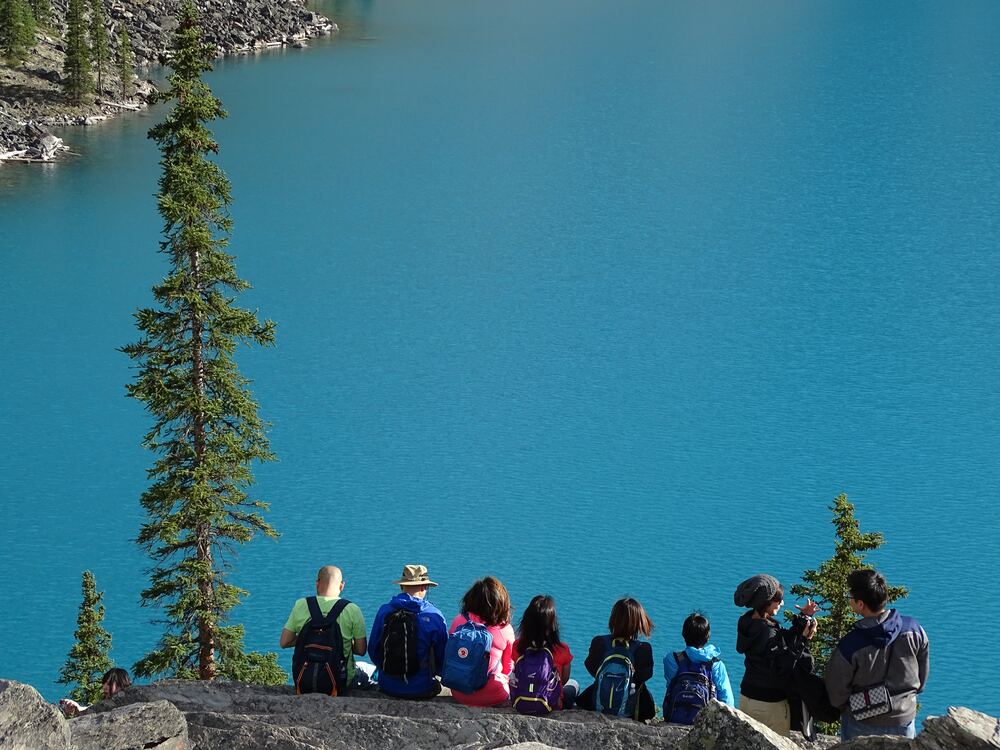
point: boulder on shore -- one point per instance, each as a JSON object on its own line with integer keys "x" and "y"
{"x": 141, "y": 726}
{"x": 721, "y": 727}
{"x": 179, "y": 715}
{"x": 27, "y": 722}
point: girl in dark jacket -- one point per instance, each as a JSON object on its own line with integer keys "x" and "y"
{"x": 771, "y": 652}
{"x": 628, "y": 624}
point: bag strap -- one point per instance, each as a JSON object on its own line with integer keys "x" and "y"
{"x": 339, "y": 606}
{"x": 315, "y": 613}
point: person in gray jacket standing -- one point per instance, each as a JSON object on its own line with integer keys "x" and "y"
{"x": 878, "y": 668}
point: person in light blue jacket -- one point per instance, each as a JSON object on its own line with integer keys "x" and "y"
{"x": 699, "y": 656}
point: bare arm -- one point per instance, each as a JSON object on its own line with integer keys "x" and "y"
{"x": 360, "y": 646}
{"x": 288, "y": 638}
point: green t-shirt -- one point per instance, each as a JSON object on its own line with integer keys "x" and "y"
{"x": 351, "y": 622}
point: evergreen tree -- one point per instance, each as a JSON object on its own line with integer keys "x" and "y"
{"x": 42, "y": 10}
{"x": 98, "y": 42}
{"x": 206, "y": 430}
{"x": 827, "y": 585}
{"x": 126, "y": 64}
{"x": 17, "y": 29}
{"x": 88, "y": 659}
{"x": 76, "y": 67}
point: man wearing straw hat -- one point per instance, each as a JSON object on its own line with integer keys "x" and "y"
{"x": 408, "y": 637}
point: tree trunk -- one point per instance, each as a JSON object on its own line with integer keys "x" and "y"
{"x": 206, "y": 629}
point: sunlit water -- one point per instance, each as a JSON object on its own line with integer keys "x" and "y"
{"x": 600, "y": 298}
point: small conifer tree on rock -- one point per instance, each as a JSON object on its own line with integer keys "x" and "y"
{"x": 17, "y": 29}
{"x": 126, "y": 65}
{"x": 42, "y": 10}
{"x": 206, "y": 430}
{"x": 88, "y": 659}
{"x": 827, "y": 584}
{"x": 76, "y": 66}
{"x": 98, "y": 42}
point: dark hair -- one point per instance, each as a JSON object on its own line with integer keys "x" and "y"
{"x": 779, "y": 595}
{"x": 116, "y": 679}
{"x": 539, "y": 625}
{"x": 488, "y": 599}
{"x": 870, "y": 588}
{"x": 696, "y": 630}
{"x": 628, "y": 620}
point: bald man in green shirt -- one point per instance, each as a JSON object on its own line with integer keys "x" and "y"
{"x": 329, "y": 585}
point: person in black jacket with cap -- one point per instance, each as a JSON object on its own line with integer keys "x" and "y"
{"x": 772, "y": 653}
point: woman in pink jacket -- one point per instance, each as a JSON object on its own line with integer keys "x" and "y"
{"x": 488, "y": 603}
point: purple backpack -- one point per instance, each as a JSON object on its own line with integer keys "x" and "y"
{"x": 535, "y": 687}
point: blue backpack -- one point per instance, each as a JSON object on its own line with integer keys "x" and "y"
{"x": 467, "y": 657}
{"x": 614, "y": 685}
{"x": 689, "y": 691}
{"x": 535, "y": 687}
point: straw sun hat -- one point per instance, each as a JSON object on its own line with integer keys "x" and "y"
{"x": 415, "y": 575}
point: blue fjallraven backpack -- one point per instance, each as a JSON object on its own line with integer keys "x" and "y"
{"x": 467, "y": 657}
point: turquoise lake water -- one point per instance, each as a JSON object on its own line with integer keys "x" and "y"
{"x": 601, "y": 298}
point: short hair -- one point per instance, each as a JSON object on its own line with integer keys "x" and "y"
{"x": 116, "y": 679}
{"x": 628, "y": 619}
{"x": 696, "y": 630}
{"x": 870, "y": 588}
{"x": 329, "y": 573}
{"x": 779, "y": 595}
{"x": 488, "y": 599}
{"x": 539, "y": 626}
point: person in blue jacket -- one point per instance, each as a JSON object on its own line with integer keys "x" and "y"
{"x": 408, "y": 638}
{"x": 697, "y": 632}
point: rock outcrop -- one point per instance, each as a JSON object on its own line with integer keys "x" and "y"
{"x": 147, "y": 726}
{"x": 240, "y": 717}
{"x": 719, "y": 727}
{"x": 960, "y": 728}
{"x": 175, "y": 715}
{"x": 27, "y": 722}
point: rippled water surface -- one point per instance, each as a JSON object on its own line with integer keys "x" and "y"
{"x": 602, "y": 298}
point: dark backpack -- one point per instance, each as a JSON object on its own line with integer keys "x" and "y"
{"x": 614, "y": 684}
{"x": 535, "y": 687}
{"x": 467, "y": 657}
{"x": 399, "y": 644}
{"x": 319, "y": 664}
{"x": 689, "y": 691}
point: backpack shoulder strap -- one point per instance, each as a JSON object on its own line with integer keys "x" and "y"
{"x": 680, "y": 657}
{"x": 339, "y": 606}
{"x": 315, "y": 613}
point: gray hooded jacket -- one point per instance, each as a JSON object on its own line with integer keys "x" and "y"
{"x": 860, "y": 661}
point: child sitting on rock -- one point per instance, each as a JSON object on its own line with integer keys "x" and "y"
{"x": 695, "y": 675}
{"x": 621, "y": 663}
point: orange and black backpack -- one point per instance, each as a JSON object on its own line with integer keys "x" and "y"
{"x": 319, "y": 664}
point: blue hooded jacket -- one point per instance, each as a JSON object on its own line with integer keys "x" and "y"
{"x": 723, "y": 690}
{"x": 432, "y": 633}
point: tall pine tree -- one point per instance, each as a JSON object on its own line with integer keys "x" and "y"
{"x": 17, "y": 29}
{"x": 126, "y": 64}
{"x": 88, "y": 659}
{"x": 827, "y": 584}
{"x": 42, "y": 10}
{"x": 206, "y": 430}
{"x": 76, "y": 67}
{"x": 98, "y": 42}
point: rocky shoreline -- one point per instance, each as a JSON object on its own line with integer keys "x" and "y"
{"x": 176, "y": 715}
{"x": 31, "y": 97}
